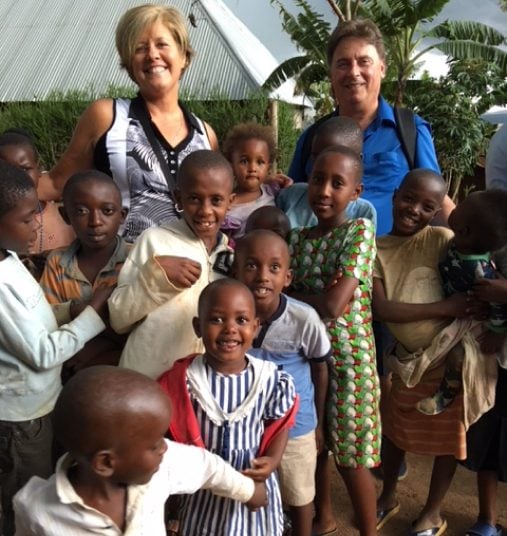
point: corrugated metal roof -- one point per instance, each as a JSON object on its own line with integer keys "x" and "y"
{"x": 65, "y": 45}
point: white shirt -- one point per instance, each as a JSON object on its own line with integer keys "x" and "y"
{"x": 53, "y": 508}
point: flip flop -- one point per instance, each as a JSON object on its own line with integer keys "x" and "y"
{"x": 433, "y": 531}
{"x": 327, "y": 533}
{"x": 481, "y": 528}
{"x": 383, "y": 516}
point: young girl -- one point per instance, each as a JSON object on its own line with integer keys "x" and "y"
{"x": 318, "y": 253}
{"x": 222, "y": 400}
{"x": 169, "y": 265}
{"x": 408, "y": 295}
{"x": 251, "y": 149}
{"x": 18, "y": 149}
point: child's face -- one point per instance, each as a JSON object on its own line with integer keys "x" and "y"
{"x": 18, "y": 226}
{"x": 468, "y": 235}
{"x": 22, "y": 157}
{"x": 263, "y": 266}
{"x": 414, "y": 206}
{"x": 139, "y": 456}
{"x": 205, "y": 197}
{"x": 250, "y": 163}
{"x": 227, "y": 325}
{"x": 333, "y": 184}
{"x": 94, "y": 210}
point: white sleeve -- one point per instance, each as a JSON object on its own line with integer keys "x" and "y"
{"x": 142, "y": 287}
{"x": 24, "y": 334}
{"x": 191, "y": 468}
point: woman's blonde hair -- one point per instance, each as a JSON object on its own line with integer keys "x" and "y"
{"x": 136, "y": 19}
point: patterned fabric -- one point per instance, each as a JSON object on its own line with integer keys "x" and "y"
{"x": 237, "y": 442}
{"x": 63, "y": 281}
{"x": 125, "y": 154}
{"x": 460, "y": 272}
{"x": 352, "y": 406}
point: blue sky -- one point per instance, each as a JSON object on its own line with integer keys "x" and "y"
{"x": 264, "y": 21}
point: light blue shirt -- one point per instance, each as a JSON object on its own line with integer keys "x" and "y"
{"x": 294, "y": 202}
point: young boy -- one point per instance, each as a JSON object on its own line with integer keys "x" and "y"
{"x": 92, "y": 205}
{"x": 233, "y": 404}
{"x": 293, "y": 337}
{"x": 119, "y": 469}
{"x": 294, "y": 199}
{"x": 160, "y": 282}
{"x": 32, "y": 348}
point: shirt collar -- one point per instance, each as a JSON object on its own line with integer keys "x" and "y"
{"x": 257, "y": 343}
{"x": 385, "y": 115}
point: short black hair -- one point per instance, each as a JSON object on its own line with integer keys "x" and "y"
{"x": 215, "y": 286}
{"x": 347, "y": 152}
{"x": 14, "y": 185}
{"x": 268, "y": 217}
{"x": 261, "y": 234}
{"x": 425, "y": 175}
{"x": 18, "y": 137}
{"x": 81, "y": 177}
{"x": 489, "y": 208}
{"x": 249, "y": 131}
{"x": 346, "y": 128}
{"x": 203, "y": 159}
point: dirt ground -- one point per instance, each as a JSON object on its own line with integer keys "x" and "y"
{"x": 459, "y": 509}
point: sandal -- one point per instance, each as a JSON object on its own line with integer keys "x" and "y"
{"x": 481, "y": 528}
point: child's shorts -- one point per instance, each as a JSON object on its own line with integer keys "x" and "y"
{"x": 297, "y": 470}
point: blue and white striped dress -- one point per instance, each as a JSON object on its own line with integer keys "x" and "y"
{"x": 205, "y": 514}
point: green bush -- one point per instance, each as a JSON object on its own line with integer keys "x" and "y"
{"x": 52, "y": 121}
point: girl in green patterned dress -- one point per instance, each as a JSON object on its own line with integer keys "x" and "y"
{"x": 338, "y": 245}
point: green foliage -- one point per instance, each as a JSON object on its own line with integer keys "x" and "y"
{"x": 52, "y": 121}
{"x": 453, "y": 105}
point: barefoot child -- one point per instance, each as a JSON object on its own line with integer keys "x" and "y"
{"x": 160, "y": 282}
{"x": 293, "y": 337}
{"x": 408, "y": 296}
{"x": 32, "y": 347}
{"x": 251, "y": 149}
{"x": 119, "y": 469}
{"x": 235, "y": 405}
{"x": 92, "y": 205}
{"x": 335, "y": 244}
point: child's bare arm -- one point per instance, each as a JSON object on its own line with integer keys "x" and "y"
{"x": 263, "y": 466}
{"x": 456, "y": 306}
{"x": 320, "y": 380}
{"x": 332, "y": 303}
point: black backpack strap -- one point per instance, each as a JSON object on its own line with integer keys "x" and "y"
{"x": 407, "y": 132}
{"x": 306, "y": 150}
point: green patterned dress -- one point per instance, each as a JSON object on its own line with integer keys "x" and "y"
{"x": 353, "y": 420}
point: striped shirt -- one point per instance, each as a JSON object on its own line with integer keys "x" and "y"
{"x": 238, "y": 443}
{"x": 63, "y": 282}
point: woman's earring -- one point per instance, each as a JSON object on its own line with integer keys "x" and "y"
{"x": 177, "y": 208}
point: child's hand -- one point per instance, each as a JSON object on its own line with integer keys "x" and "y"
{"x": 491, "y": 290}
{"x": 280, "y": 179}
{"x": 180, "y": 271}
{"x": 259, "y": 499}
{"x": 334, "y": 280}
{"x": 99, "y": 300}
{"x": 491, "y": 342}
{"x": 463, "y": 305}
{"x": 261, "y": 468}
